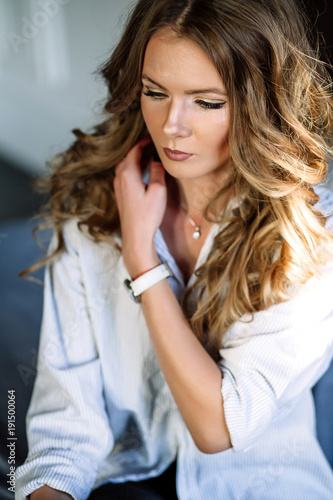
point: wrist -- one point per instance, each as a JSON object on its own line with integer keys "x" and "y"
{"x": 141, "y": 261}
{"x": 143, "y": 272}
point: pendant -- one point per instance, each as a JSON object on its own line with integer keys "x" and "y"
{"x": 196, "y": 233}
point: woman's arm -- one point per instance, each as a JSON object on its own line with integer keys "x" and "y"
{"x": 193, "y": 376}
{"x": 47, "y": 493}
{"x": 68, "y": 429}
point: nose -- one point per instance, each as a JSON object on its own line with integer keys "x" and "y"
{"x": 176, "y": 124}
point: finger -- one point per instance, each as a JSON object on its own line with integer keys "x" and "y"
{"x": 157, "y": 173}
{"x": 131, "y": 164}
{"x": 121, "y": 165}
{"x": 135, "y": 154}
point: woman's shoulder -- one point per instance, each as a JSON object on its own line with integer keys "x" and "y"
{"x": 77, "y": 232}
{"x": 82, "y": 246}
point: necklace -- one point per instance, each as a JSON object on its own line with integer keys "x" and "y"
{"x": 197, "y": 229}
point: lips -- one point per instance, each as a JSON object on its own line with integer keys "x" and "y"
{"x": 177, "y": 152}
{"x": 175, "y": 155}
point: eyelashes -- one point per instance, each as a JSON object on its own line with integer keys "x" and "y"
{"x": 200, "y": 102}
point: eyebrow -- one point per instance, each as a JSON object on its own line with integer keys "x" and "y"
{"x": 213, "y": 90}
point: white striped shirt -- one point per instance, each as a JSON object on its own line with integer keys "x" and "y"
{"x": 101, "y": 409}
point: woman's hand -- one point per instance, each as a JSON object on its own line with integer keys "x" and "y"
{"x": 47, "y": 493}
{"x": 141, "y": 209}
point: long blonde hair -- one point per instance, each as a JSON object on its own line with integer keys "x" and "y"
{"x": 280, "y": 137}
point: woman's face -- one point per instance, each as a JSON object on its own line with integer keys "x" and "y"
{"x": 185, "y": 107}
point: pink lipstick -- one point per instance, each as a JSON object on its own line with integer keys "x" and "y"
{"x": 176, "y": 155}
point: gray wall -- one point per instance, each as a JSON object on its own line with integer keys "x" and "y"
{"x": 48, "y": 52}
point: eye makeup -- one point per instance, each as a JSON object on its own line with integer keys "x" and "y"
{"x": 203, "y": 104}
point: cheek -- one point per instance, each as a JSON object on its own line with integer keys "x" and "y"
{"x": 150, "y": 116}
{"x": 216, "y": 138}
{"x": 223, "y": 146}
{"x": 222, "y": 139}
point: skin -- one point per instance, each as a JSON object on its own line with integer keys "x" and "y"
{"x": 47, "y": 493}
{"x": 177, "y": 121}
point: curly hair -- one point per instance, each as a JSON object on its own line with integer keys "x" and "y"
{"x": 280, "y": 143}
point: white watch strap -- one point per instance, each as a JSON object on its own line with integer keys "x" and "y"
{"x": 149, "y": 279}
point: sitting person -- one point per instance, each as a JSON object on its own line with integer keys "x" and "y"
{"x": 187, "y": 306}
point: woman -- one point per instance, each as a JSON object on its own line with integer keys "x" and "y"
{"x": 224, "y": 247}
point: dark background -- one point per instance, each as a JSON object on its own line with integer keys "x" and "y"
{"x": 320, "y": 13}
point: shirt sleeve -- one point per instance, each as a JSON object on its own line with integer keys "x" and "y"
{"x": 67, "y": 426}
{"x": 268, "y": 362}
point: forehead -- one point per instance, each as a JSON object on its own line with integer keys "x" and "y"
{"x": 179, "y": 61}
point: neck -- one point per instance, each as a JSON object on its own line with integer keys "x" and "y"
{"x": 192, "y": 195}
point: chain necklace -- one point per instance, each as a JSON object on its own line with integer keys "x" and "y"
{"x": 197, "y": 229}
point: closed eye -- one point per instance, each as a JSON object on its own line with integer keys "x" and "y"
{"x": 200, "y": 102}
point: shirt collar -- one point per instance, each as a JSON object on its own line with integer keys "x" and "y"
{"x": 164, "y": 254}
